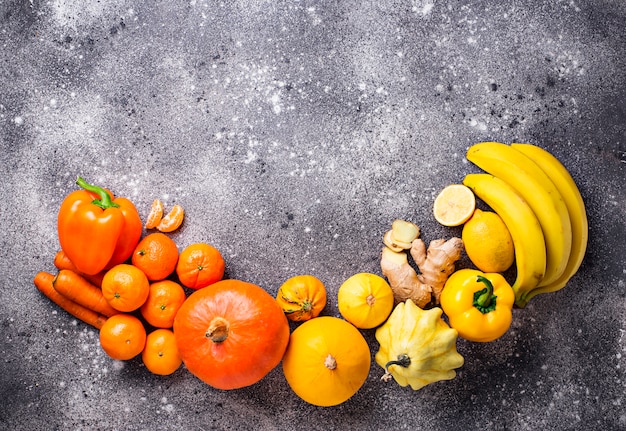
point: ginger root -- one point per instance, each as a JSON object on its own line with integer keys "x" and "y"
{"x": 403, "y": 279}
{"x": 435, "y": 265}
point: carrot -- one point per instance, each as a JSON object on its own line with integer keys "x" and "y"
{"x": 43, "y": 282}
{"x": 76, "y": 288}
{"x": 61, "y": 261}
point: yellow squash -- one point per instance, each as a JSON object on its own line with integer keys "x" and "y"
{"x": 417, "y": 347}
{"x": 327, "y": 361}
{"x": 365, "y": 300}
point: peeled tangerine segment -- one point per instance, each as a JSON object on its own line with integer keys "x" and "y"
{"x": 155, "y": 215}
{"x": 172, "y": 220}
{"x": 454, "y": 205}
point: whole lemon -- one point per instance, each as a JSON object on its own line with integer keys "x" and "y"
{"x": 488, "y": 242}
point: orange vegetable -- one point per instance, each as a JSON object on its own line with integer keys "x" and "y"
{"x": 76, "y": 288}
{"x": 327, "y": 361}
{"x": 43, "y": 282}
{"x": 97, "y": 231}
{"x": 61, "y": 261}
{"x": 231, "y": 334}
{"x": 302, "y": 297}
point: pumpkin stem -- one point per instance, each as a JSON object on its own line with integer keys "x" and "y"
{"x": 218, "y": 330}
{"x": 330, "y": 362}
{"x": 403, "y": 360}
{"x": 371, "y": 299}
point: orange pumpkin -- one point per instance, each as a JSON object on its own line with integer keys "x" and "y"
{"x": 302, "y": 297}
{"x": 327, "y": 361}
{"x": 231, "y": 334}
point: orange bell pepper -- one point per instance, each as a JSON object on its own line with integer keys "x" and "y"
{"x": 96, "y": 230}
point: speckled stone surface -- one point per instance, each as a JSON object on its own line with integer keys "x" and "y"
{"x": 293, "y": 133}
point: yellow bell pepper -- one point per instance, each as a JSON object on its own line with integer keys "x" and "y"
{"x": 478, "y": 305}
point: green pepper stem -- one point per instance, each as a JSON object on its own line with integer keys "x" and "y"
{"x": 403, "y": 360}
{"x": 105, "y": 199}
{"x": 485, "y": 300}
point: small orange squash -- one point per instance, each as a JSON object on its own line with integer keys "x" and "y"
{"x": 327, "y": 361}
{"x": 365, "y": 300}
{"x": 302, "y": 297}
{"x": 231, "y": 334}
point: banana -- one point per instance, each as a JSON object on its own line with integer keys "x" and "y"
{"x": 522, "y": 223}
{"x": 534, "y": 185}
{"x": 575, "y": 206}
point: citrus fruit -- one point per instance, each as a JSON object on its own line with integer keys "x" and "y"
{"x": 156, "y": 255}
{"x": 365, "y": 300}
{"x": 122, "y": 336}
{"x": 454, "y": 205}
{"x": 125, "y": 287}
{"x": 199, "y": 265}
{"x": 488, "y": 242}
{"x": 155, "y": 215}
{"x": 164, "y": 300}
{"x": 172, "y": 220}
{"x": 160, "y": 355}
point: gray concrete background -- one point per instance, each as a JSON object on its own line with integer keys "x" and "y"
{"x": 293, "y": 133}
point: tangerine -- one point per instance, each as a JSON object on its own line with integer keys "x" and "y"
{"x": 200, "y": 265}
{"x": 156, "y": 255}
{"x": 122, "y": 336}
{"x": 160, "y": 355}
{"x": 125, "y": 287}
{"x": 164, "y": 300}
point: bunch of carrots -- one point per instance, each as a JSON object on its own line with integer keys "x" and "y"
{"x": 78, "y": 294}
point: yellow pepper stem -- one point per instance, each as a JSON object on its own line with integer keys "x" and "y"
{"x": 485, "y": 300}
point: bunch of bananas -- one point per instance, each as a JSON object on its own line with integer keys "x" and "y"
{"x": 541, "y": 205}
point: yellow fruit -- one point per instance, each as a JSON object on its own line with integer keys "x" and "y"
{"x": 488, "y": 242}
{"x": 454, "y": 205}
{"x": 365, "y": 300}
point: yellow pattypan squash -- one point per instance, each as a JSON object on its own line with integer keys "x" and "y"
{"x": 327, "y": 361}
{"x": 417, "y": 347}
{"x": 365, "y": 300}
